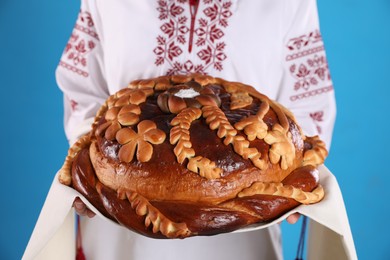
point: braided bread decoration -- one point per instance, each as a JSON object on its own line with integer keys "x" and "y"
{"x": 187, "y": 155}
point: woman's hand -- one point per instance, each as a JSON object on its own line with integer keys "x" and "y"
{"x": 292, "y": 219}
{"x": 82, "y": 209}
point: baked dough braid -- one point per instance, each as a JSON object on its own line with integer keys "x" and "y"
{"x": 65, "y": 176}
{"x": 153, "y": 216}
{"x": 287, "y": 191}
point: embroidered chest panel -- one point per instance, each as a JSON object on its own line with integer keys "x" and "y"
{"x": 194, "y": 27}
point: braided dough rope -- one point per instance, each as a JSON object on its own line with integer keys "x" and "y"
{"x": 65, "y": 176}
{"x": 153, "y": 216}
{"x": 287, "y": 191}
{"x": 165, "y": 82}
{"x": 144, "y": 83}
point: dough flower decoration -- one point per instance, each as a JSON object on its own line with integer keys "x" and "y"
{"x": 141, "y": 141}
{"x": 116, "y": 118}
{"x": 282, "y": 149}
{"x": 122, "y": 110}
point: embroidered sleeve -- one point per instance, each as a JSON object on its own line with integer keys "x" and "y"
{"x": 307, "y": 87}
{"x": 80, "y": 73}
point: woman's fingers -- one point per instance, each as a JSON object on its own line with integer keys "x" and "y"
{"x": 82, "y": 209}
{"x": 292, "y": 219}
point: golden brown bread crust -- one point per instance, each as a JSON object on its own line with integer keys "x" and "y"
{"x": 194, "y": 155}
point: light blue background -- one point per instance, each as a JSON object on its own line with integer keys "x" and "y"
{"x": 32, "y": 143}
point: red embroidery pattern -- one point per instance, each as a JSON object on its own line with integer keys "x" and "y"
{"x": 317, "y": 117}
{"x": 308, "y": 65}
{"x": 302, "y": 41}
{"x": 310, "y": 72}
{"x": 312, "y": 93}
{"x": 180, "y": 27}
{"x": 73, "y": 104}
{"x": 81, "y": 43}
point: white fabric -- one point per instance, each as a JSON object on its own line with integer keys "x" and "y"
{"x": 329, "y": 236}
{"x": 127, "y": 245}
{"x": 275, "y": 46}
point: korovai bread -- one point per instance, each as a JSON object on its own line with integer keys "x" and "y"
{"x": 188, "y": 155}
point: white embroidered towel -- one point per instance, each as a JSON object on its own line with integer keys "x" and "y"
{"x": 330, "y": 235}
